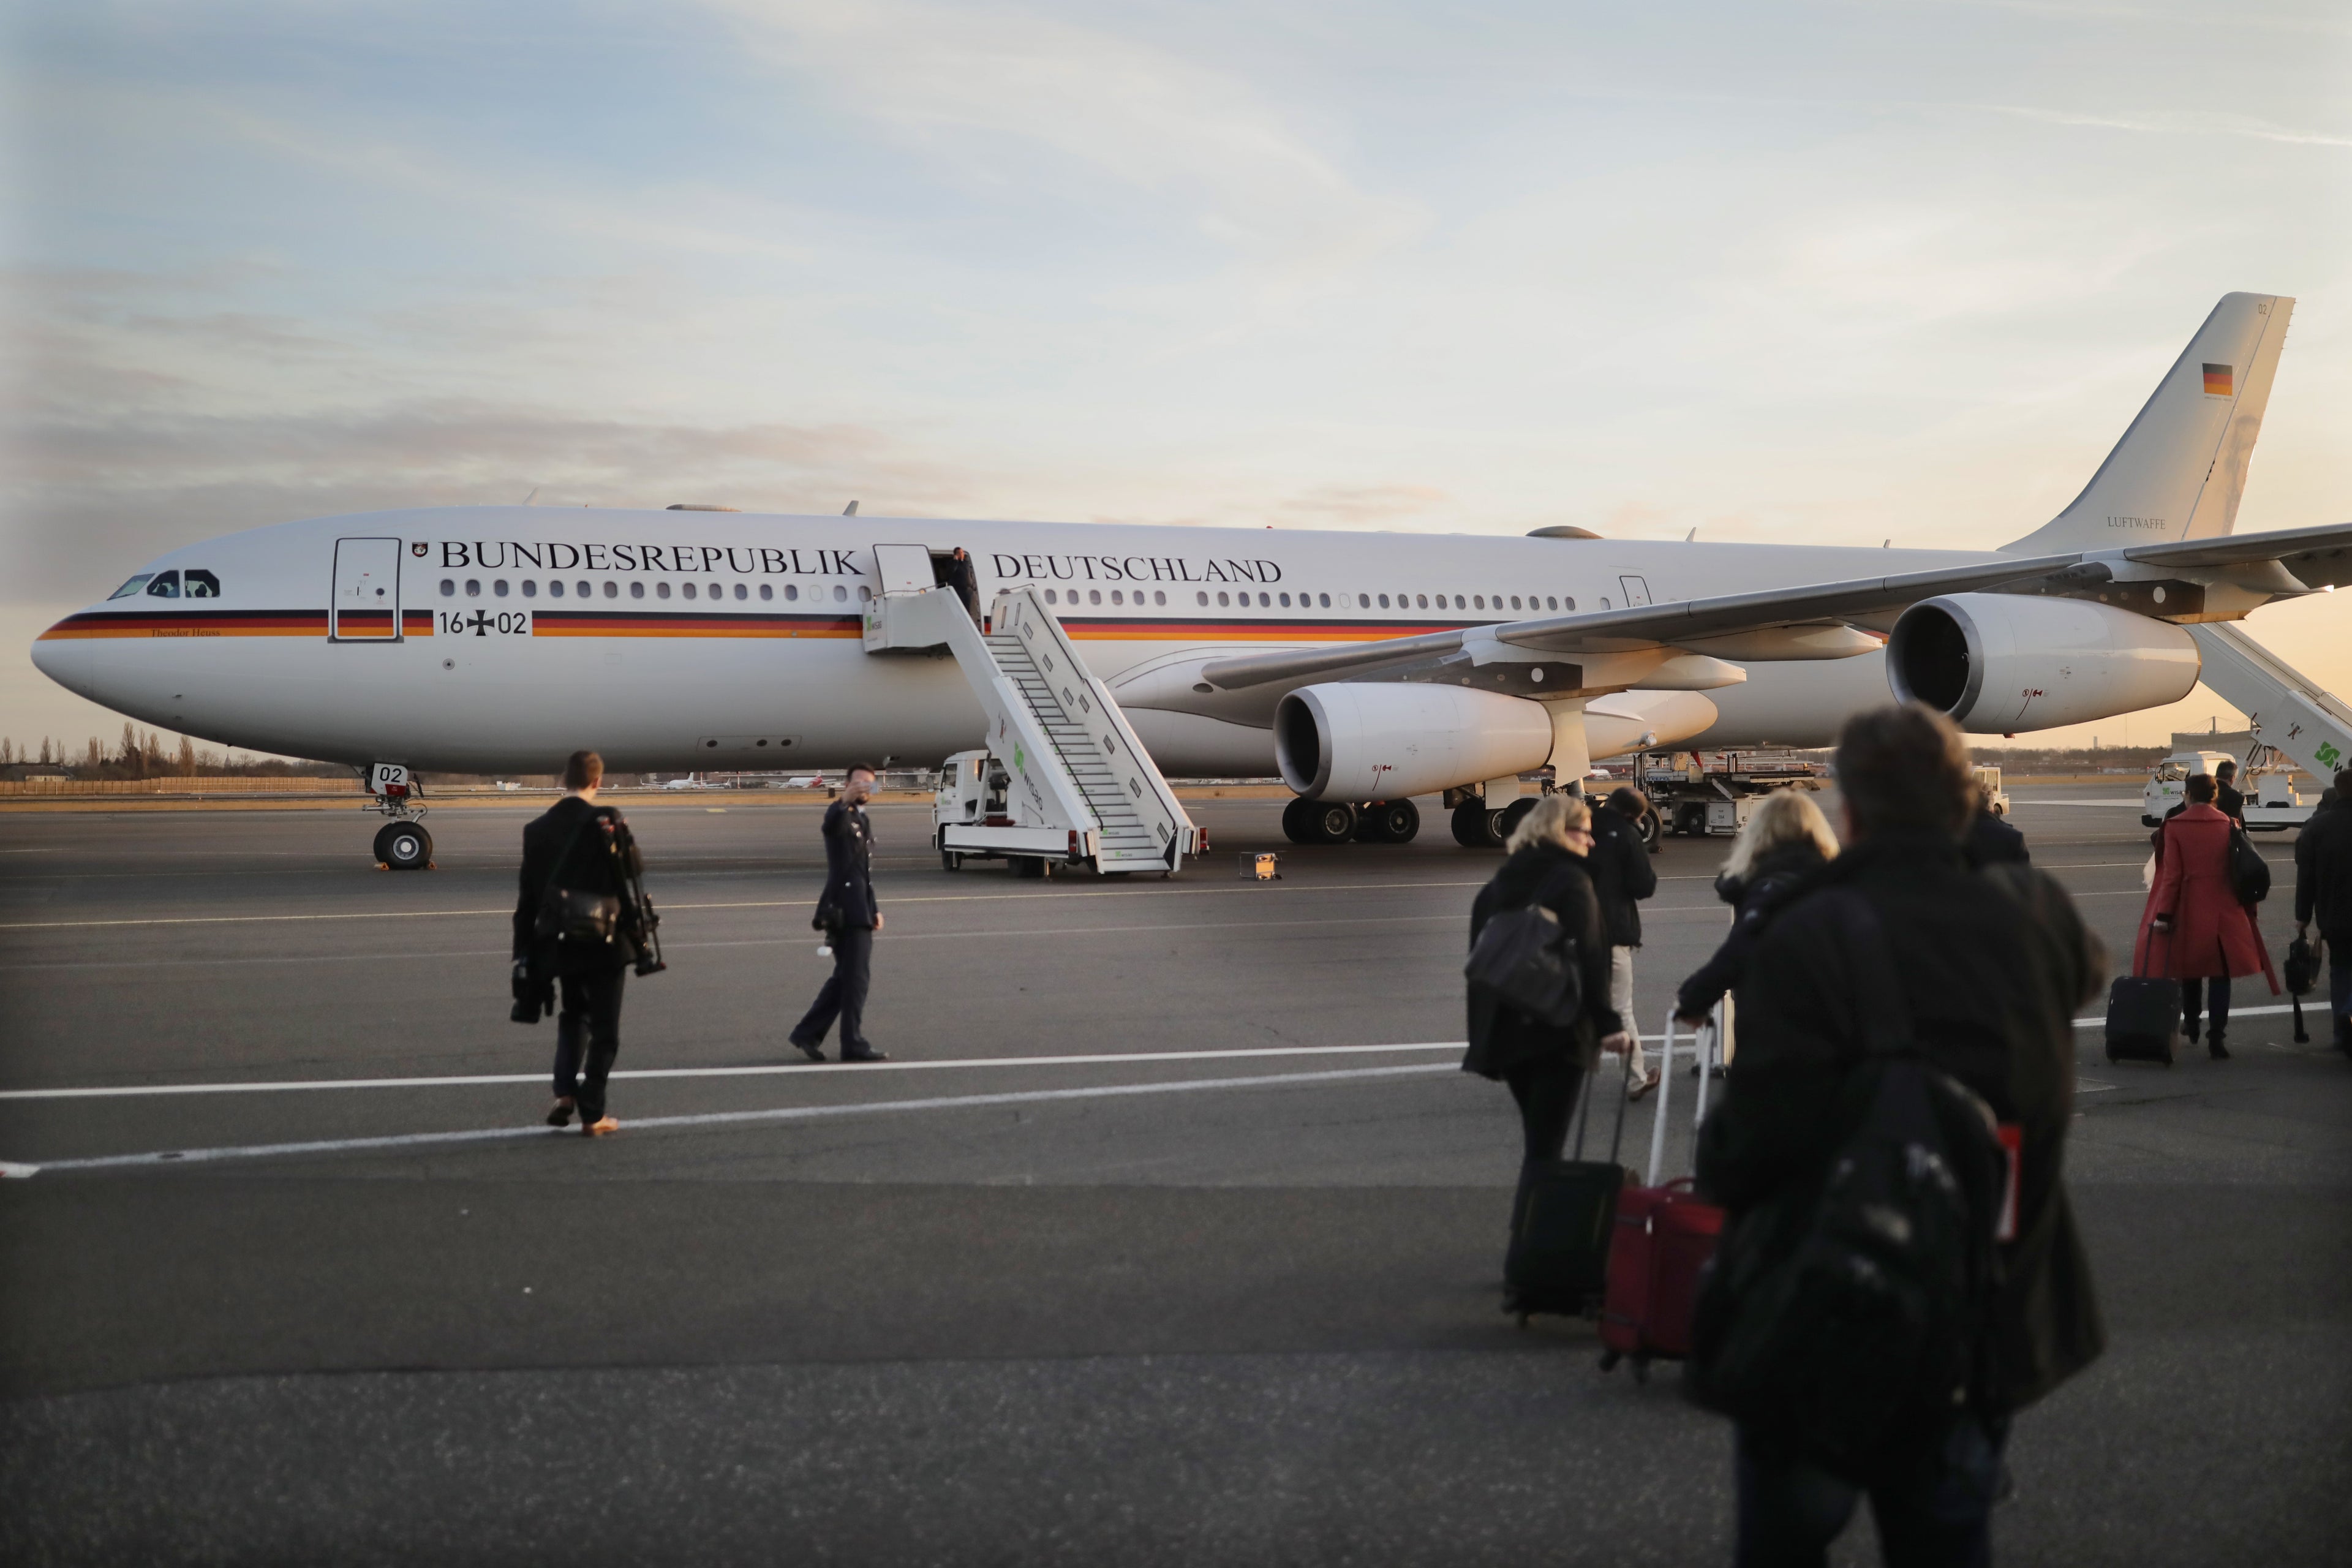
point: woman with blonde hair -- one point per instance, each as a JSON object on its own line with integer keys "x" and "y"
{"x": 1544, "y": 1063}
{"x": 1783, "y": 842}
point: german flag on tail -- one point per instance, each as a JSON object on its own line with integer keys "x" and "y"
{"x": 2218, "y": 381}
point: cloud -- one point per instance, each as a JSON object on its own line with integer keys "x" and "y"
{"x": 2176, "y": 122}
{"x": 981, "y": 90}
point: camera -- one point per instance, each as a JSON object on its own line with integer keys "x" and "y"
{"x": 532, "y": 997}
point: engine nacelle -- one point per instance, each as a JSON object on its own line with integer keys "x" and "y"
{"x": 1381, "y": 741}
{"x": 2002, "y": 663}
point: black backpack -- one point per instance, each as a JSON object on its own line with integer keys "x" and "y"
{"x": 2250, "y": 874}
{"x": 1850, "y": 1316}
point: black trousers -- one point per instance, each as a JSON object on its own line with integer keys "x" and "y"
{"x": 588, "y": 1036}
{"x": 1934, "y": 1514}
{"x": 2210, "y": 997}
{"x": 1546, "y": 1095}
{"x": 844, "y": 995}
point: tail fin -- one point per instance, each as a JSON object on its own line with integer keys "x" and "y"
{"x": 2180, "y": 469}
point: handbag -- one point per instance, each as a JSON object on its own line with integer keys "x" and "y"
{"x": 1524, "y": 957}
{"x": 2250, "y": 874}
{"x": 2302, "y": 974}
{"x": 574, "y": 915}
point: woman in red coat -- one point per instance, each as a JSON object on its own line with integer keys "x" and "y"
{"x": 2194, "y": 929}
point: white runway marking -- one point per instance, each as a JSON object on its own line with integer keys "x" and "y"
{"x": 1259, "y": 889}
{"x": 713, "y": 1118}
{"x": 764, "y": 1070}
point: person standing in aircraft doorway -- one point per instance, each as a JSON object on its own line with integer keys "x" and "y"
{"x": 847, "y": 914}
{"x": 965, "y": 581}
{"x": 1622, "y": 877}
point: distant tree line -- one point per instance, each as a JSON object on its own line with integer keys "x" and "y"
{"x": 148, "y": 756}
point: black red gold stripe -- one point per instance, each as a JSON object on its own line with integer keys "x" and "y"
{"x": 676, "y": 623}
{"x": 186, "y": 623}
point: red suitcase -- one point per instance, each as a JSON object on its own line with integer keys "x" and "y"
{"x": 1663, "y": 1239}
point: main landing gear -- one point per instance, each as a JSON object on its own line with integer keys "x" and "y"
{"x": 1307, "y": 821}
{"x": 1475, "y": 828}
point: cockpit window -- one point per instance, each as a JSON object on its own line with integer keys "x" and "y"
{"x": 166, "y": 585}
{"x": 200, "y": 585}
{"x": 131, "y": 587}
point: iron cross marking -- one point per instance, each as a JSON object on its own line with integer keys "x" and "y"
{"x": 482, "y": 623}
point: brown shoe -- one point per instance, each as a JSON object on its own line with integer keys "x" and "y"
{"x": 598, "y": 1129}
{"x": 1643, "y": 1085}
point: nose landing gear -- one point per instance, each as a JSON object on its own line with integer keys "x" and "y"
{"x": 401, "y": 843}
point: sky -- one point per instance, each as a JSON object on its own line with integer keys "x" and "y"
{"x": 1820, "y": 273}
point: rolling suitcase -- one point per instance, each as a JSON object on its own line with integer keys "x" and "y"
{"x": 1559, "y": 1258}
{"x": 2143, "y": 1019}
{"x": 1661, "y": 1242}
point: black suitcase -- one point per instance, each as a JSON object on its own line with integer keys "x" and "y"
{"x": 1559, "y": 1261}
{"x": 2143, "y": 1019}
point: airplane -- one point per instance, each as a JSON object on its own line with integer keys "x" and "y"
{"x": 1361, "y": 666}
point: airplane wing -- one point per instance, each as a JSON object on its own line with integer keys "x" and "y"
{"x": 2316, "y": 557}
{"x": 1683, "y": 624}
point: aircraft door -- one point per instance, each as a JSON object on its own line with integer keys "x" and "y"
{"x": 1637, "y": 591}
{"x": 903, "y": 568}
{"x": 366, "y": 606}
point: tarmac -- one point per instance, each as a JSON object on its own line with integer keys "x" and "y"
{"x": 1172, "y": 1235}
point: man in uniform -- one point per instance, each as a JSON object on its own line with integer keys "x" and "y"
{"x": 578, "y": 845}
{"x": 847, "y": 914}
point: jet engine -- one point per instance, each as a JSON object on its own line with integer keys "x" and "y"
{"x": 1381, "y": 741}
{"x": 2002, "y": 663}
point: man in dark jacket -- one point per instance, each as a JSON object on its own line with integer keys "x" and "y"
{"x": 965, "y": 581}
{"x": 2323, "y": 894}
{"x": 581, "y": 847}
{"x": 1992, "y": 966}
{"x": 1622, "y": 877}
{"x": 847, "y": 914}
{"x": 1990, "y": 840}
{"x": 2228, "y": 799}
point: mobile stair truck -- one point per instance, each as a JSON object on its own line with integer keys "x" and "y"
{"x": 2290, "y": 715}
{"x": 1059, "y": 778}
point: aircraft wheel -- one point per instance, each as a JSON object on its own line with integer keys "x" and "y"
{"x": 1330, "y": 822}
{"x": 403, "y": 846}
{"x": 1507, "y": 820}
{"x": 1392, "y": 821}
{"x": 1295, "y": 824}
{"x": 1469, "y": 825}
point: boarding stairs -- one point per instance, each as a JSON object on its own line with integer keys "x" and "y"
{"x": 1082, "y": 787}
{"x": 2290, "y": 713}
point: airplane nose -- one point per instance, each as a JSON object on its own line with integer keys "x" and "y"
{"x": 65, "y": 659}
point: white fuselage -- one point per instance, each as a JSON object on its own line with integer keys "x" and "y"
{"x": 673, "y": 640}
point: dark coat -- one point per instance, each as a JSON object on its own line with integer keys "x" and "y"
{"x": 1622, "y": 875}
{"x": 964, "y": 579}
{"x": 600, "y": 861}
{"x": 1501, "y": 1037}
{"x": 848, "y": 896}
{"x": 2323, "y": 876}
{"x": 1992, "y": 965}
{"x": 2212, "y": 935}
{"x": 1992, "y": 842}
{"x": 1775, "y": 878}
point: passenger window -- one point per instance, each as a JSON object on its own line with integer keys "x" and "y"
{"x": 767, "y": 590}
{"x": 140, "y": 581}
{"x": 612, "y": 589}
{"x": 1515, "y": 601}
{"x": 1221, "y": 600}
{"x": 1159, "y": 596}
{"x": 636, "y": 590}
{"x": 1049, "y": 596}
{"x": 448, "y": 587}
{"x": 1094, "y": 596}
{"x": 473, "y": 587}
{"x": 741, "y": 592}
{"x": 1384, "y": 601}
{"x": 555, "y": 589}
{"x": 166, "y": 585}
{"x": 1482, "y": 601}
{"x": 864, "y": 593}
{"x": 531, "y": 589}
{"x": 661, "y": 590}
{"x": 687, "y": 589}
{"x": 1204, "y": 597}
{"x": 611, "y": 592}
{"x": 201, "y": 585}
{"x": 499, "y": 588}
{"x": 1323, "y": 601}
{"x": 840, "y": 594}
{"x": 1267, "y": 602}
{"x": 1286, "y": 601}
{"x": 1424, "y": 601}
{"x": 791, "y": 591}
{"x": 1568, "y": 604}
{"x": 1118, "y": 596}
{"x": 1458, "y": 604}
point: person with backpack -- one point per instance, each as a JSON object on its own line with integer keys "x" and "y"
{"x": 2197, "y": 927}
{"x": 573, "y": 928}
{"x": 1543, "y": 1062}
{"x": 1623, "y": 877}
{"x": 1784, "y": 842}
{"x": 2322, "y": 895}
{"x": 1891, "y": 1287}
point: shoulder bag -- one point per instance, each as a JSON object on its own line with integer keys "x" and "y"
{"x": 574, "y": 916}
{"x": 1524, "y": 957}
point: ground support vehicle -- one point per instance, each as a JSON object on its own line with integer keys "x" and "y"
{"x": 1703, "y": 795}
